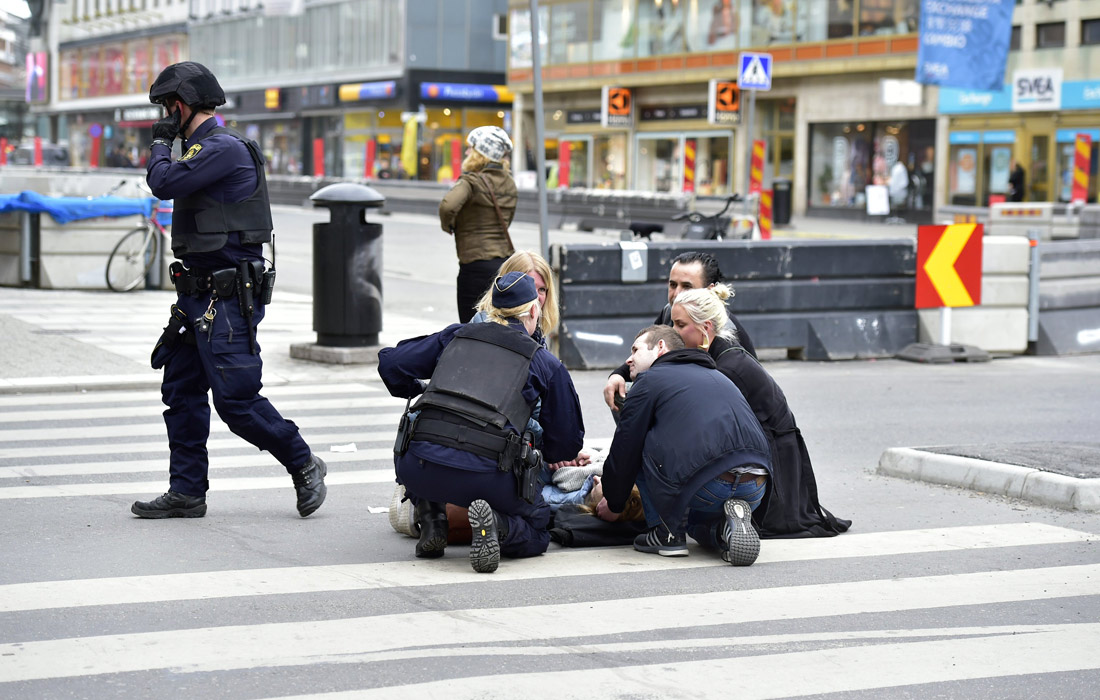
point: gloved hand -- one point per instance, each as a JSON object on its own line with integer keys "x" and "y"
{"x": 168, "y": 128}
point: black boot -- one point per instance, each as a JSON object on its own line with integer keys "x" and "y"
{"x": 171, "y": 505}
{"x": 432, "y": 518}
{"x": 489, "y": 530}
{"x": 309, "y": 482}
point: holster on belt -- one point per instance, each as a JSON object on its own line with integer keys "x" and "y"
{"x": 175, "y": 332}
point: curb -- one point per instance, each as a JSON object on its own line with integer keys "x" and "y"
{"x": 1035, "y": 485}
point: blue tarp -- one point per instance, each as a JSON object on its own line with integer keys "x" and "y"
{"x": 66, "y": 209}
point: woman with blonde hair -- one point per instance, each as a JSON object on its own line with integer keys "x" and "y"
{"x": 477, "y": 211}
{"x": 787, "y": 503}
{"x": 534, "y": 266}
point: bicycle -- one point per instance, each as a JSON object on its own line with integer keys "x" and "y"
{"x": 719, "y": 226}
{"x": 133, "y": 256}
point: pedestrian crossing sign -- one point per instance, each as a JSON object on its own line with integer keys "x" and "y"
{"x": 756, "y": 71}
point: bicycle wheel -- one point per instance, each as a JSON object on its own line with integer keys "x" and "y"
{"x": 131, "y": 259}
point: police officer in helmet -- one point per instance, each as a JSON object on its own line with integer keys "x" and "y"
{"x": 220, "y": 221}
{"x": 463, "y": 446}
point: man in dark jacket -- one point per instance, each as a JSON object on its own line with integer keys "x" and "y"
{"x": 688, "y": 438}
{"x": 690, "y": 270}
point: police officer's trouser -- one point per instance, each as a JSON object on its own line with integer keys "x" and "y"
{"x": 220, "y": 361}
{"x": 527, "y": 522}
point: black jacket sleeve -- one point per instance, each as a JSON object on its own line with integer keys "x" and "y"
{"x": 624, "y": 460}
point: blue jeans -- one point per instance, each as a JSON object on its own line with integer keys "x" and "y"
{"x": 705, "y": 514}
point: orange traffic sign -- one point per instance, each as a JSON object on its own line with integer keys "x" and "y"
{"x": 618, "y": 102}
{"x": 949, "y": 265}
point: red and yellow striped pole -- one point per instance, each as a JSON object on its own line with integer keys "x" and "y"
{"x": 756, "y": 173}
{"x": 689, "y": 165}
{"x": 764, "y": 217}
{"x": 1082, "y": 161}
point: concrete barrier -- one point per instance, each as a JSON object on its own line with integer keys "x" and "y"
{"x": 819, "y": 300}
{"x": 1069, "y": 297}
{"x": 1017, "y": 218}
{"x": 1000, "y": 322}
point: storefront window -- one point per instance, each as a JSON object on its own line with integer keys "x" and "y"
{"x": 114, "y": 69}
{"x": 888, "y": 16}
{"x": 658, "y": 164}
{"x": 772, "y": 22}
{"x": 579, "y": 150}
{"x": 610, "y": 162}
{"x": 962, "y": 181}
{"x": 613, "y": 29}
{"x": 520, "y": 55}
{"x": 661, "y": 163}
{"x": 569, "y": 33}
{"x": 819, "y": 20}
{"x": 662, "y": 29}
{"x": 845, "y": 158}
{"x": 716, "y": 28}
{"x": 138, "y": 66}
{"x": 282, "y": 146}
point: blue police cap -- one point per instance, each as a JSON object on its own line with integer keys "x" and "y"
{"x": 512, "y": 290}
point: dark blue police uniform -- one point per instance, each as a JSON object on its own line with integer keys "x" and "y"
{"x": 216, "y": 166}
{"x": 443, "y": 474}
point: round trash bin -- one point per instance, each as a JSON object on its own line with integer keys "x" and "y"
{"x": 781, "y": 201}
{"x": 347, "y": 267}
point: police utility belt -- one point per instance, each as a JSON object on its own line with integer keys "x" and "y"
{"x": 248, "y": 282}
{"x": 513, "y": 453}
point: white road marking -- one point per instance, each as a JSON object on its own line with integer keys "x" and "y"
{"x": 453, "y": 570}
{"x": 303, "y": 643}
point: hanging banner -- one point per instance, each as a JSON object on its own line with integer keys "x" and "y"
{"x": 368, "y": 159}
{"x": 723, "y": 102}
{"x": 964, "y": 43}
{"x": 1082, "y": 162}
{"x": 565, "y": 152}
{"x": 616, "y": 108}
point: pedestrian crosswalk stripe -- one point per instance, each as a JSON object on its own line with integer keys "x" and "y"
{"x": 354, "y": 640}
{"x": 454, "y": 570}
{"x": 320, "y": 442}
{"x": 153, "y": 411}
{"x": 75, "y": 398}
{"x": 148, "y": 488}
{"x": 964, "y": 654}
{"x": 216, "y": 427}
{"x": 161, "y": 464}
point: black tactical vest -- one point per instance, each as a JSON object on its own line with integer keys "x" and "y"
{"x": 201, "y": 224}
{"x": 477, "y": 390}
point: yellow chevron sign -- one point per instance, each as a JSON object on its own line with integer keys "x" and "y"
{"x": 949, "y": 265}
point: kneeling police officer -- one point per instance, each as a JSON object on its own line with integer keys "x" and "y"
{"x": 220, "y": 221}
{"x": 460, "y": 444}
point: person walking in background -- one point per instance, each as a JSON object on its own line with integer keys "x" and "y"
{"x": 1015, "y": 181}
{"x": 477, "y": 211}
{"x": 221, "y": 219}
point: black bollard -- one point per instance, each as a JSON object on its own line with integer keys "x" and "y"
{"x": 347, "y": 268}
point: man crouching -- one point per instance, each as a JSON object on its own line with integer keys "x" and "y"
{"x": 689, "y": 439}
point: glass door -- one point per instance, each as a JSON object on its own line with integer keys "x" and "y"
{"x": 679, "y": 162}
{"x": 580, "y": 160}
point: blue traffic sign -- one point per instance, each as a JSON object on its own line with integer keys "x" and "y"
{"x": 755, "y": 72}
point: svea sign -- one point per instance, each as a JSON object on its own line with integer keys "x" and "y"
{"x": 1037, "y": 90}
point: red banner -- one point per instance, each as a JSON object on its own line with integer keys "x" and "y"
{"x": 565, "y": 152}
{"x": 1082, "y": 161}
{"x": 38, "y": 151}
{"x": 3, "y": 151}
{"x": 456, "y": 158}
{"x": 368, "y": 160}
{"x": 318, "y": 157}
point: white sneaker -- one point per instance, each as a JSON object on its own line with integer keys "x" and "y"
{"x": 742, "y": 542}
{"x": 402, "y": 518}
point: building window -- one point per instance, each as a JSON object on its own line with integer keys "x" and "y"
{"x": 569, "y": 33}
{"x": 500, "y": 26}
{"x": 1090, "y": 31}
{"x": 1050, "y": 36}
{"x": 613, "y": 30}
{"x": 1014, "y": 39}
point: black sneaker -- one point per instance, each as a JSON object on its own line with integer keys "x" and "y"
{"x": 485, "y": 546}
{"x": 170, "y": 505}
{"x": 740, "y": 541}
{"x": 658, "y": 540}
{"x": 309, "y": 482}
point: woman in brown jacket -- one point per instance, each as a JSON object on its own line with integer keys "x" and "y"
{"x": 478, "y": 211}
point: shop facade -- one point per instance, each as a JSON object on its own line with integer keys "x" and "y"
{"x": 988, "y": 130}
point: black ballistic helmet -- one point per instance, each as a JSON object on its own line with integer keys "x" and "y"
{"x": 192, "y": 83}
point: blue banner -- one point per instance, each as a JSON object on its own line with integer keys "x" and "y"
{"x": 465, "y": 92}
{"x": 964, "y": 43}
